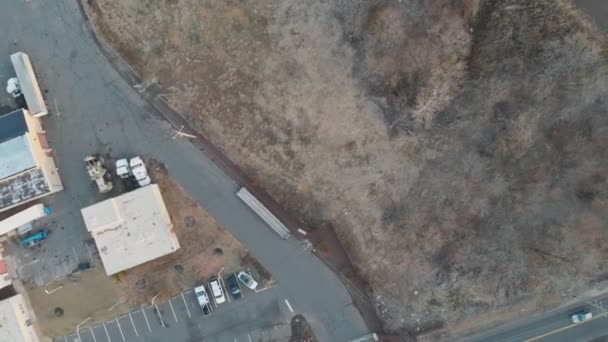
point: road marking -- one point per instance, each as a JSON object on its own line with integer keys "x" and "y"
{"x": 171, "y": 305}
{"x": 92, "y": 334}
{"x": 288, "y": 305}
{"x": 249, "y": 338}
{"x": 75, "y": 255}
{"x": 65, "y": 338}
{"x": 148, "y": 323}
{"x": 160, "y": 316}
{"x": 106, "y": 329}
{"x": 120, "y": 329}
{"x": 186, "y": 305}
{"x": 133, "y": 323}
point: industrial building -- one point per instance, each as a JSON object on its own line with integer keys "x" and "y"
{"x": 27, "y": 168}
{"x": 131, "y": 229}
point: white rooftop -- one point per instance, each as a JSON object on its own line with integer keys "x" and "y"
{"x": 15, "y": 156}
{"x": 15, "y": 321}
{"x": 131, "y": 229}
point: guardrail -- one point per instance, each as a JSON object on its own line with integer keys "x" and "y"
{"x": 264, "y": 213}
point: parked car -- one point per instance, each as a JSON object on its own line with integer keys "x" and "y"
{"x": 123, "y": 170}
{"x": 217, "y": 291}
{"x": 138, "y": 168}
{"x": 203, "y": 299}
{"x": 233, "y": 286}
{"x": 248, "y": 280}
{"x": 33, "y": 240}
{"x": 581, "y": 316}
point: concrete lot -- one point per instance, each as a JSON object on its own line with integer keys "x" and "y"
{"x": 56, "y": 256}
{"x": 261, "y": 316}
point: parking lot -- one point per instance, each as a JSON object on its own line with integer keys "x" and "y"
{"x": 258, "y": 316}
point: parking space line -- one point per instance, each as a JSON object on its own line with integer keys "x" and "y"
{"x": 162, "y": 322}
{"x": 106, "y": 329}
{"x": 174, "y": 315}
{"x": 120, "y": 329}
{"x": 133, "y": 323}
{"x": 92, "y": 334}
{"x": 146, "y": 317}
{"x": 288, "y": 305}
{"x": 186, "y": 305}
{"x": 65, "y": 338}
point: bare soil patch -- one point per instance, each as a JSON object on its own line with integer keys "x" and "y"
{"x": 457, "y": 148}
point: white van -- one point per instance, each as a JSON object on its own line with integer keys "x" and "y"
{"x": 218, "y": 292}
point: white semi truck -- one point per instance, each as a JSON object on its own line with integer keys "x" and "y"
{"x": 25, "y": 88}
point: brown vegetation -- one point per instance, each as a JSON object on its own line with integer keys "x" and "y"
{"x": 458, "y": 149}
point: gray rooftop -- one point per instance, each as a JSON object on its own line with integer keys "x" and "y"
{"x": 22, "y": 187}
{"x": 12, "y": 125}
{"x": 15, "y": 153}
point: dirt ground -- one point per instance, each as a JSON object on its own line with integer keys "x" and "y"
{"x": 458, "y": 147}
{"x": 87, "y": 294}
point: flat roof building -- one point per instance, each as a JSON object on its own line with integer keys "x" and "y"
{"x": 16, "y": 323}
{"x": 131, "y": 229}
{"x": 27, "y": 168}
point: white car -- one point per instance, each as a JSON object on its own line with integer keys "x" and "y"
{"x": 203, "y": 299}
{"x": 123, "y": 170}
{"x": 581, "y": 316}
{"x": 248, "y": 280}
{"x": 218, "y": 291}
{"x": 139, "y": 171}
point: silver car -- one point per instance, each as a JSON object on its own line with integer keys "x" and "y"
{"x": 581, "y": 316}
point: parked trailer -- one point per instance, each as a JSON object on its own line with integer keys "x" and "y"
{"x": 28, "y": 84}
{"x": 22, "y": 218}
{"x": 264, "y": 213}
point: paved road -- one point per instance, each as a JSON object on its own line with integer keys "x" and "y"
{"x": 95, "y": 110}
{"x": 553, "y": 326}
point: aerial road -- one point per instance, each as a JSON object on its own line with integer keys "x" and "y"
{"x": 94, "y": 109}
{"x": 553, "y": 326}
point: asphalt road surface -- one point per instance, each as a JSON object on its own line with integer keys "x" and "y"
{"x": 552, "y": 326}
{"x": 255, "y": 317}
{"x": 94, "y": 110}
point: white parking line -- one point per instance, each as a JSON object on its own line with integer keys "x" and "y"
{"x": 133, "y": 323}
{"x": 249, "y": 338}
{"x": 159, "y": 316}
{"x": 186, "y": 305}
{"x": 288, "y": 305}
{"x": 106, "y": 329}
{"x": 65, "y": 338}
{"x": 92, "y": 334}
{"x": 146, "y": 317}
{"x": 174, "y": 316}
{"x": 120, "y": 329}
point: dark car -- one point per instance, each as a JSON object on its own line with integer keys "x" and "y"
{"x": 233, "y": 286}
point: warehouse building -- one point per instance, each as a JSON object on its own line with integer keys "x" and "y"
{"x": 27, "y": 168}
{"x": 131, "y": 229}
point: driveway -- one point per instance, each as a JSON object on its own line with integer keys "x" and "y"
{"x": 94, "y": 110}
